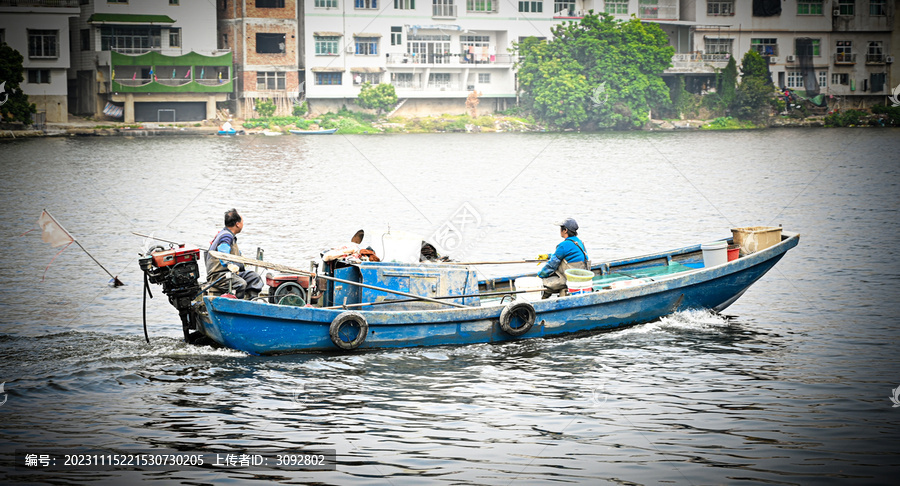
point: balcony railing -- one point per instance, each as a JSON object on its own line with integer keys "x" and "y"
{"x": 698, "y": 62}
{"x": 700, "y": 57}
{"x": 875, "y": 58}
{"x": 39, "y": 3}
{"x": 455, "y": 60}
{"x": 845, "y": 58}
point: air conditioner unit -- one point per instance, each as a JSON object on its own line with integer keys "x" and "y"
{"x": 889, "y": 59}
{"x": 349, "y": 49}
{"x": 836, "y": 12}
{"x": 773, "y": 60}
{"x": 791, "y": 58}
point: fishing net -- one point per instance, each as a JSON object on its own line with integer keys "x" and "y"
{"x": 805, "y": 49}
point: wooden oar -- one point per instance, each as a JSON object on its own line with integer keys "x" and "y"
{"x": 297, "y": 271}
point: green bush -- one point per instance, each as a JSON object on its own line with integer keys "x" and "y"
{"x": 301, "y": 109}
{"x": 892, "y": 112}
{"x": 844, "y": 119}
{"x": 265, "y": 108}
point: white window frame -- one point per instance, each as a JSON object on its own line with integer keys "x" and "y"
{"x": 484, "y": 78}
{"x": 43, "y": 44}
{"x": 321, "y": 42}
{"x": 720, "y": 8}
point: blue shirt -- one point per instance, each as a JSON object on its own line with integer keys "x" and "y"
{"x": 570, "y": 249}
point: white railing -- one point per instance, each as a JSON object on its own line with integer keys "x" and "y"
{"x": 700, "y": 57}
{"x": 455, "y": 60}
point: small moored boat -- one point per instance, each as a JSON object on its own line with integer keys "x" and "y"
{"x": 314, "y": 132}
{"x": 386, "y": 305}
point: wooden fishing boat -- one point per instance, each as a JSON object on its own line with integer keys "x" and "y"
{"x": 387, "y": 305}
{"x": 314, "y": 132}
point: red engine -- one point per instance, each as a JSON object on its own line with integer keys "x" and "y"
{"x": 286, "y": 289}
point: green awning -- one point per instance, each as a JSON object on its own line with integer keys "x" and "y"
{"x": 103, "y": 18}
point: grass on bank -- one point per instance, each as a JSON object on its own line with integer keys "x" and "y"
{"x": 352, "y": 122}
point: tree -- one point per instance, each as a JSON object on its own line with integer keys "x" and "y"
{"x": 753, "y": 96}
{"x": 379, "y": 97}
{"x": 598, "y": 71}
{"x": 15, "y": 105}
{"x": 265, "y": 108}
{"x": 753, "y": 65}
{"x": 728, "y": 82}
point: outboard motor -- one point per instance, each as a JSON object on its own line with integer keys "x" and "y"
{"x": 178, "y": 271}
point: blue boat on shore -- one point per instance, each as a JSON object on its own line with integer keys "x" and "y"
{"x": 327, "y": 131}
{"x": 444, "y": 304}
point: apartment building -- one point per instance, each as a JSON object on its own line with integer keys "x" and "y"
{"x": 835, "y": 47}
{"x": 39, "y": 30}
{"x": 150, "y": 60}
{"x": 434, "y": 52}
{"x": 265, "y": 38}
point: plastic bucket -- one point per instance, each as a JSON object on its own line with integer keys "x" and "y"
{"x": 579, "y": 281}
{"x": 579, "y": 275}
{"x": 575, "y": 288}
{"x": 715, "y": 253}
{"x": 401, "y": 247}
{"x": 734, "y": 251}
{"x": 533, "y": 287}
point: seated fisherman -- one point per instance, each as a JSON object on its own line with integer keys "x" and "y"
{"x": 570, "y": 253}
{"x": 245, "y": 284}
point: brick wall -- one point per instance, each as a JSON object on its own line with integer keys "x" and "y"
{"x": 288, "y": 58}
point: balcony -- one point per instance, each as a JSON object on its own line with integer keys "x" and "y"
{"x": 450, "y": 60}
{"x": 845, "y": 58}
{"x": 875, "y": 58}
{"x": 697, "y": 63}
{"x": 157, "y": 73}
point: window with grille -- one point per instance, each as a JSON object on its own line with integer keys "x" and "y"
{"x": 847, "y": 7}
{"x": 326, "y": 46}
{"x": 719, "y": 8}
{"x": 366, "y": 46}
{"x": 329, "y": 78}
{"x": 43, "y": 43}
{"x": 765, "y": 46}
{"x": 530, "y": 6}
{"x": 809, "y": 7}
{"x": 269, "y": 80}
{"x": 39, "y": 76}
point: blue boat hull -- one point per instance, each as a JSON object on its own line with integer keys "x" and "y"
{"x": 262, "y": 328}
{"x": 314, "y": 132}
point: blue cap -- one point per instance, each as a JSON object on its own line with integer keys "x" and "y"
{"x": 569, "y": 224}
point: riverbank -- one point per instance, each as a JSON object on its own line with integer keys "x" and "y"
{"x": 352, "y": 124}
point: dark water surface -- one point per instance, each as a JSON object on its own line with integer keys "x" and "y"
{"x": 792, "y": 388}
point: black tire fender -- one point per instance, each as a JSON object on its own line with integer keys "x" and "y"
{"x": 342, "y": 327}
{"x": 517, "y": 318}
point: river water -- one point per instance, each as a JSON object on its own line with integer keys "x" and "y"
{"x": 792, "y": 386}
